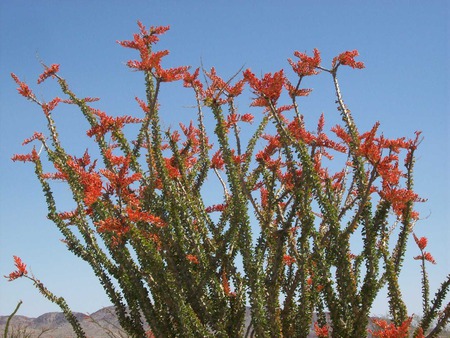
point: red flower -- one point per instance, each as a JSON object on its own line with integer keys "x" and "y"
{"x": 217, "y": 161}
{"x": 342, "y": 134}
{"x": 191, "y": 80}
{"x": 120, "y": 178}
{"x": 219, "y": 86}
{"x": 247, "y": 118}
{"x": 426, "y": 256}
{"x": 48, "y": 107}
{"x": 49, "y": 71}
{"x": 117, "y": 227}
{"x": 151, "y": 61}
{"x": 216, "y": 207}
{"x": 421, "y": 243}
{"x": 23, "y": 89}
{"x": 171, "y": 74}
{"x": 299, "y": 132}
{"x": 149, "y": 334}
{"x": 268, "y": 89}
{"x": 398, "y": 197}
{"x": 145, "y": 37}
{"x": 389, "y": 330}
{"x": 238, "y": 159}
{"x": 33, "y": 156}
{"x": 143, "y": 216}
{"x": 172, "y": 170}
{"x": 420, "y": 333}
{"x": 307, "y": 65}
{"x": 21, "y": 269}
{"x": 68, "y": 215}
{"x": 86, "y": 99}
{"x": 192, "y": 134}
{"x": 36, "y": 136}
{"x": 232, "y": 120}
{"x": 293, "y": 91}
{"x": 226, "y": 285}
{"x": 288, "y": 260}
{"x": 90, "y": 180}
{"x": 321, "y": 332}
{"x": 143, "y": 105}
{"x": 348, "y": 59}
{"x": 192, "y": 258}
{"x": 108, "y": 123}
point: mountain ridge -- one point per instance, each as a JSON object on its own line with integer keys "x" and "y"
{"x": 102, "y": 323}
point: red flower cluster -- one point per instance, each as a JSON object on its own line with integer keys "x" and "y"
{"x": 427, "y": 257}
{"x": 143, "y": 105}
{"x": 216, "y": 207}
{"x": 119, "y": 184}
{"x": 382, "y": 155}
{"x": 48, "y": 107}
{"x": 389, "y": 330}
{"x": 219, "y": 86}
{"x": 32, "y": 157}
{"x": 347, "y": 59}
{"x": 247, "y": 118}
{"x": 108, "y": 123}
{"x": 193, "y": 135}
{"x": 49, "y": 71}
{"x": 268, "y": 89}
{"x": 226, "y": 285}
{"x": 36, "y": 136}
{"x": 145, "y": 37}
{"x": 321, "y": 332}
{"x": 23, "y": 89}
{"x": 399, "y": 198}
{"x": 21, "y": 269}
{"x": 288, "y": 260}
{"x": 307, "y": 65}
{"x": 192, "y": 81}
{"x": 143, "y": 216}
{"x": 151, "y": 61}
{"x": 319, "y": 140}
{"x": 172, "y": 170}
{"x": 89, "y": 179}
{"x": 118, "y": 176}
{"x": 421, "y": 242}
{"x": 114, "y": 225}
{"x": 192, "y": 258}
{"x": 86, "y": 100}
{"x": 217, "y": 161}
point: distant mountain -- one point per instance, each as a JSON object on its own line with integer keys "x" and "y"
{"x": 100, "y": 324}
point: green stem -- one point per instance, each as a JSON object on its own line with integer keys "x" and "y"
{"x": 5, "y": 333}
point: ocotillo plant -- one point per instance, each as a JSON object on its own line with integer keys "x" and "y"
{"x": 280, "y": 239}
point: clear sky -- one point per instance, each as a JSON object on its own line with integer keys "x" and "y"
{"x": 405, "y": 86}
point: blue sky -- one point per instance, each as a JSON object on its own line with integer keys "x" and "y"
{"x": 405, "y": 86}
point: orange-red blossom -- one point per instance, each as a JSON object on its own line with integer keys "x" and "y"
{"x": 422, "y": 243}
{"x": 321, "y": 332}
{"x": 389, "y": 330}
{"x": 21, "y": 269}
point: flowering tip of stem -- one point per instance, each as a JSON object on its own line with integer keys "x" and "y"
{"x": 49, "y": 71}
{"x": 21, "y": 269}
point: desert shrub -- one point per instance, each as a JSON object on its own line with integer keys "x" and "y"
{"x": 279, "y": 240}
